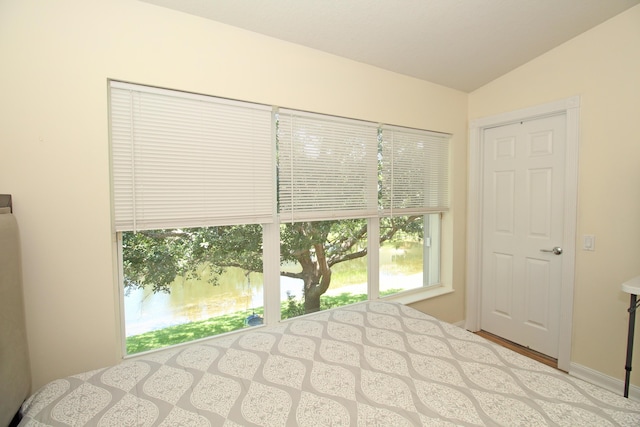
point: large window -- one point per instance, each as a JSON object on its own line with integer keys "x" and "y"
{"x": 193, "y": 180}
{"x": 327, "y": 188}
{"x": 414, "y": 186}
{"x": 230, "y": 215}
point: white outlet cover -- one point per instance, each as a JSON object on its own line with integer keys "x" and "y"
{"x": 589, "y": 242}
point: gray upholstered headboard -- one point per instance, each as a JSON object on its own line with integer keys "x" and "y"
{"x": 15, "y": 378}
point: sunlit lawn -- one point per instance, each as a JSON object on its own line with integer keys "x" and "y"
{"x": 220, "y": 324}
{"x": 187, "y": 332}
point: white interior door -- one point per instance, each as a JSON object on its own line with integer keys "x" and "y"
{"x": 522, "y": 223}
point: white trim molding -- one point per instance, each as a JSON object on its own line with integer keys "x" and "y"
{"x": 592, "y": 376}
{"x": 570, "y": 108}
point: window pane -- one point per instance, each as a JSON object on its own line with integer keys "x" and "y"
{"x": 185, "y": 284}
{"x": 324, "y": 265}
{"x": 411, "y": 258}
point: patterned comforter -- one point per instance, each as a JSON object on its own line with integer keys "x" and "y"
{"x": 375, "y": 363}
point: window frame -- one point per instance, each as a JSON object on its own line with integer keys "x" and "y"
{"x": 271, "y": 246}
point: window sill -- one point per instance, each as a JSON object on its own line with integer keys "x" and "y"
{"x": 415, "y": 295}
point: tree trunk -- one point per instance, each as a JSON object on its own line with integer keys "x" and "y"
{"x": 311, "y": 302}
{"x": 316, "y": 276}
{"x": 314, "y": 288}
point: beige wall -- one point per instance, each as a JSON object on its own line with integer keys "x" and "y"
{"x": 54, "y": 155}
{"x": 603, "y": 67}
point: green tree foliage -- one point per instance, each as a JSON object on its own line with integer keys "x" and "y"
{"x": 155, "y": 258}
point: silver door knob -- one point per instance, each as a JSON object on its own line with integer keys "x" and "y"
{"x": 556, "y": 251}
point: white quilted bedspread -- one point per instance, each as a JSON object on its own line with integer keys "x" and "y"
{"x": 375, "y": 363}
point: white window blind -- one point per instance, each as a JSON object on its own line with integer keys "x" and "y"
{"x": 414, "y": 171}
{"x": 186, "y": 160}
{"x": 327, "y": 167}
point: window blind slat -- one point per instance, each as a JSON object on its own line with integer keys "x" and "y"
{"x": 184, "y": 160}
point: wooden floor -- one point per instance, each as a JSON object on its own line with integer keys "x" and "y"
{"x": 520, "y": 349}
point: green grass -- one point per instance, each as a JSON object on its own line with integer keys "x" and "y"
{"x": 220, "y": 324}
{"x": 187, "y": 332}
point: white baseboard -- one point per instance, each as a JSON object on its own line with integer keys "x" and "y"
{"x": 598, "y": 378}
{"x": 459, "y": 324}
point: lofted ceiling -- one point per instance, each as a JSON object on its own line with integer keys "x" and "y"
{"x": 461, "y": 44}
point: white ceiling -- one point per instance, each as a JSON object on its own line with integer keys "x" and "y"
{"x": 462, "y": 44}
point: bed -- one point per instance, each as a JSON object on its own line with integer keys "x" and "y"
{"x": 374, "y": 363}
{"x": 15, "y": 378}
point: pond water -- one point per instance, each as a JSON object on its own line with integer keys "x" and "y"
{"x": 193, "y": 300}
{"x": 197, "y": 299}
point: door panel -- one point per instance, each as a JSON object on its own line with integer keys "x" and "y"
{"x": 523, "y": 184}
{"x": 504, "y": 209}
{"x": 502, "y": 294}
{"x": 539, "y": 182}
{"x": 537, "y": 293}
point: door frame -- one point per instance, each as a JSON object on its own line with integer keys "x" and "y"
{"x": 570, "y": 107}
